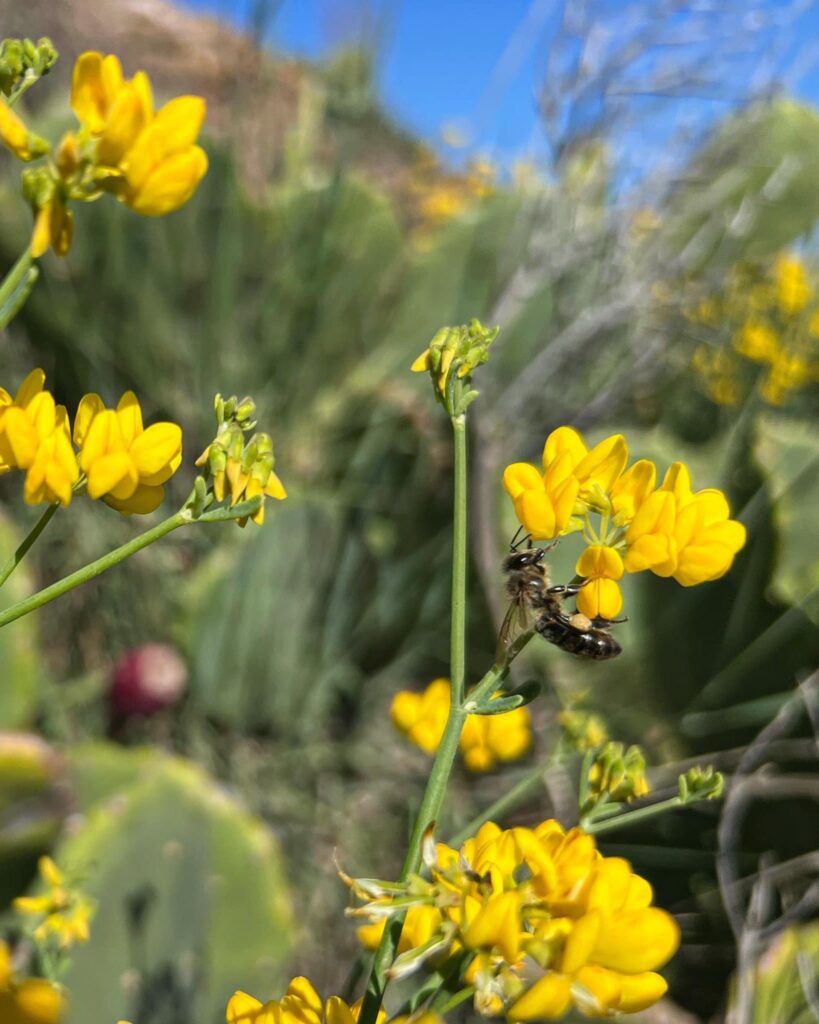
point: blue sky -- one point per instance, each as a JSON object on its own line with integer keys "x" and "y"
{"x": 477, "y": 64}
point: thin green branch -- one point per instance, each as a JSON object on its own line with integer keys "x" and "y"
{"x": 631, "y": 817}
{"x": 15, "y": 279}
{"x": 25, "y": 546}
{"x": 100, "y": 565}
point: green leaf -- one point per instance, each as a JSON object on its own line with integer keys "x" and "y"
{"x": 789, "y": 453}
{"x": 525, "y": 694}
{"x": 751, "y": 190}
{"x": 190, "y": 894}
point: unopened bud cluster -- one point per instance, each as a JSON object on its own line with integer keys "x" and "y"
{"x": 24, "y": 60}
{"x": 451, "y": 358}
{"x": 616, "y": 774}
{"x": 700, "y": 783}
{"x": 240, "y": 467}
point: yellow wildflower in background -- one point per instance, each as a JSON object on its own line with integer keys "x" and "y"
{"x": 793, "y": 292}
{"x": 125, "y": 464}
{"x": 770, "y": 315}
{"x": 300, "y": 1004}
{"x": 35, "y": 437}
{"x": 65, "y": 912}
{"x": 485, "y": 740}
{"x": 28, "y": 1000}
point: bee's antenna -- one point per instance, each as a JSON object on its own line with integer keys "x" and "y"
{"x": 513, "y": 543}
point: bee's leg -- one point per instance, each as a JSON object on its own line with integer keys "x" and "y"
{"x": 605, "y": 623}
{"x": 566, "y": 589}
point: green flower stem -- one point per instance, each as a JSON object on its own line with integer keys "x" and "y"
{"x": 457, "y": 644}
{"x": 631, "y": 817}
{"x": 99, "y": 565}
{"x": 12, "y": 281}
{"x": 435, "y": 792}
{"x": 24, "y": 547}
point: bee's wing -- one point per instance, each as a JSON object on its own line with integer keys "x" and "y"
{"x": 515, "y": 621}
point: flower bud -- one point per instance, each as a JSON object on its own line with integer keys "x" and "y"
{"x": 700, "y": 783}
{"x": 148, "y": 679}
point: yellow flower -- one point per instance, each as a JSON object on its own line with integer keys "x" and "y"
{"x": 600, "y": 598}
{"x": 485, "y": 739}
{"x": 300, "y": 1004}
{"x": 595, "y": 469}
{"x": 53, "y": 228}
{"x": 27, "y": 1001}
{"x": 648, "y": 538}
{"x": 757, "y": 341}
{"x": 793, "y": 292}
{"x": 789, "y": 372}
{"x": 572, "y": 475}
{"x": 155, "y": 161}
{"x": 64, "y": 911}
{"x": 125, "y": 464}
{"x": 704, "y": 540}
{"x": 420, "y": 924}
{"x": 543, "y": 503}
{"x": 16, "y": 137}
{"x": 630, "y": 490}
{"x": 489, "y": 739}
{"x": 421, "y": 717}
{"x": 35, "y": 436}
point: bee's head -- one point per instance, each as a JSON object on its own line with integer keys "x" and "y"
{"x": 518, "y": 560}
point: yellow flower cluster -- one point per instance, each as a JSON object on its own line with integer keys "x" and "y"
{"x": 549, "y": 921}
{"x": 768, "y": 316}
{"x": 486, "y": 740}
{"x": 301, "y": 1004}
{"x": 629, "y": 524}
{"x": 147, "y": 158}
{"x": 28, "y": 1000}
{"x": 117, "y": 459}
{"x": 438, "y": 196}
{"x": 64, "y": 912}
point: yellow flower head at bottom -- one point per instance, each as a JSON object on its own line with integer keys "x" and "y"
{"x": 300, "y": 1004}
{"x": 27, "y": 1001}
{"x": 485, "y": 739}
{"x": 64, "y": 911}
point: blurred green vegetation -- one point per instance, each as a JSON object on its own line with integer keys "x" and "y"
{"x": 314, "y": 297}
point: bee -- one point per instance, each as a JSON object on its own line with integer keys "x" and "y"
{"x": 528, "y": 584}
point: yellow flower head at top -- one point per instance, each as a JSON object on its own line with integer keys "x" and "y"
{"x": 35, "y": 437}
{"x": 148, "y": 159}
{"x": 65, "y": 912}
{"x": 300, "y": 1004}
{"x": 28, "y": 1000}
{"x": 485, "y": 741}
{"x": 628, "y": 524}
